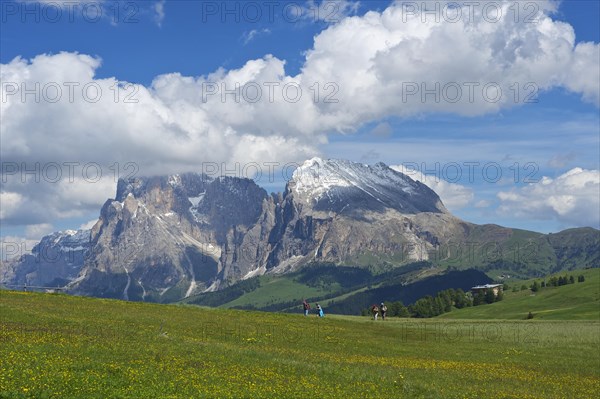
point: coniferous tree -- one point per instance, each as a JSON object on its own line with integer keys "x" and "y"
{"x": 460, "y": 299}
{"x": 563, "y": 280}
{"x": 437, "y": 306}
{"x": 447, "y": 300}
{"x": 395, "y": 308}
{"x": 404, "y": 312}
{"x": 478, "y": 299}
{"x": 530, "y": 315}
{"x": 469, "y": 296}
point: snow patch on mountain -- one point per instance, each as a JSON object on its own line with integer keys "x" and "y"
{"x": 68, "y": 240}
{"x": 174, "y": 180}
{"x": 195, "y": 201}
{"x": 317, "y": 179}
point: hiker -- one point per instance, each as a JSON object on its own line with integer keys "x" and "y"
{"x": 375, "y": 311}
{"x": 320, "y": 311}
{"x": 306, "y": 307}
{"x": 383, "y": 310}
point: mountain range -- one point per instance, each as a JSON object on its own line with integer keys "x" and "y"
{"x": 168, "y": 238}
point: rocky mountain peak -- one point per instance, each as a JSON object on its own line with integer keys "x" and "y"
{"x": 337, "y": 185}
{"x": 53, "y": 262}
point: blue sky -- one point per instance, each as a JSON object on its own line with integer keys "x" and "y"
{"x": 138, "y": 41}
{"x": 191, "y": 39}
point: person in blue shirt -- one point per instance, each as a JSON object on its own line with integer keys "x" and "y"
{"x": 320, "y": 311}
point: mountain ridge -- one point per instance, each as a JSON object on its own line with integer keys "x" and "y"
{"x": 165, "y": 238}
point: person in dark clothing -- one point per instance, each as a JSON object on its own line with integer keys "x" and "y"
{"x": 375, "y": 311}
{"x": 306, "y": 307}
{"x": 383, "y": 310}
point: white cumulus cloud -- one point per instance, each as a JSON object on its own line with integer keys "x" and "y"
{"x": 88, "y": 225}
{"x": 37, "y": 231}
{"x": 454, "y": 196}
{"x": 572, "y": 198}
{"x": 12, "y": 247}
{"x": 9, "y": 203}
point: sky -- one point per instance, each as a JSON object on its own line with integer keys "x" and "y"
{"x": 492, "y": 104}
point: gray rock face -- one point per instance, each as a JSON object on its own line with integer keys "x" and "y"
{"x": 339, "y": 211}
{"x": 165, "y": 238}
{"x": 54, "y": 262}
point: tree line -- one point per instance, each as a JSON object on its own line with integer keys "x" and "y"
{"x": 442, "y": 302}
{"x": 554, "y": 281}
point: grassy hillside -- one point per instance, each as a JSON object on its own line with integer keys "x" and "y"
{"x": 317, "y": 282}
{"x": 578, "y": 301}
{"x": 57, "y": 346}
{"x": 576, "y": 248}
{"x": 342, "y": 289}
{"x": 276, "y": 289}
{"x": 498, "y": 250}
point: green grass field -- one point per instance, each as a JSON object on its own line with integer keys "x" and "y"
{"x": 579, "y": 301}
{"x": 58, "y": 346}
{"x": 276, "y": 289}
